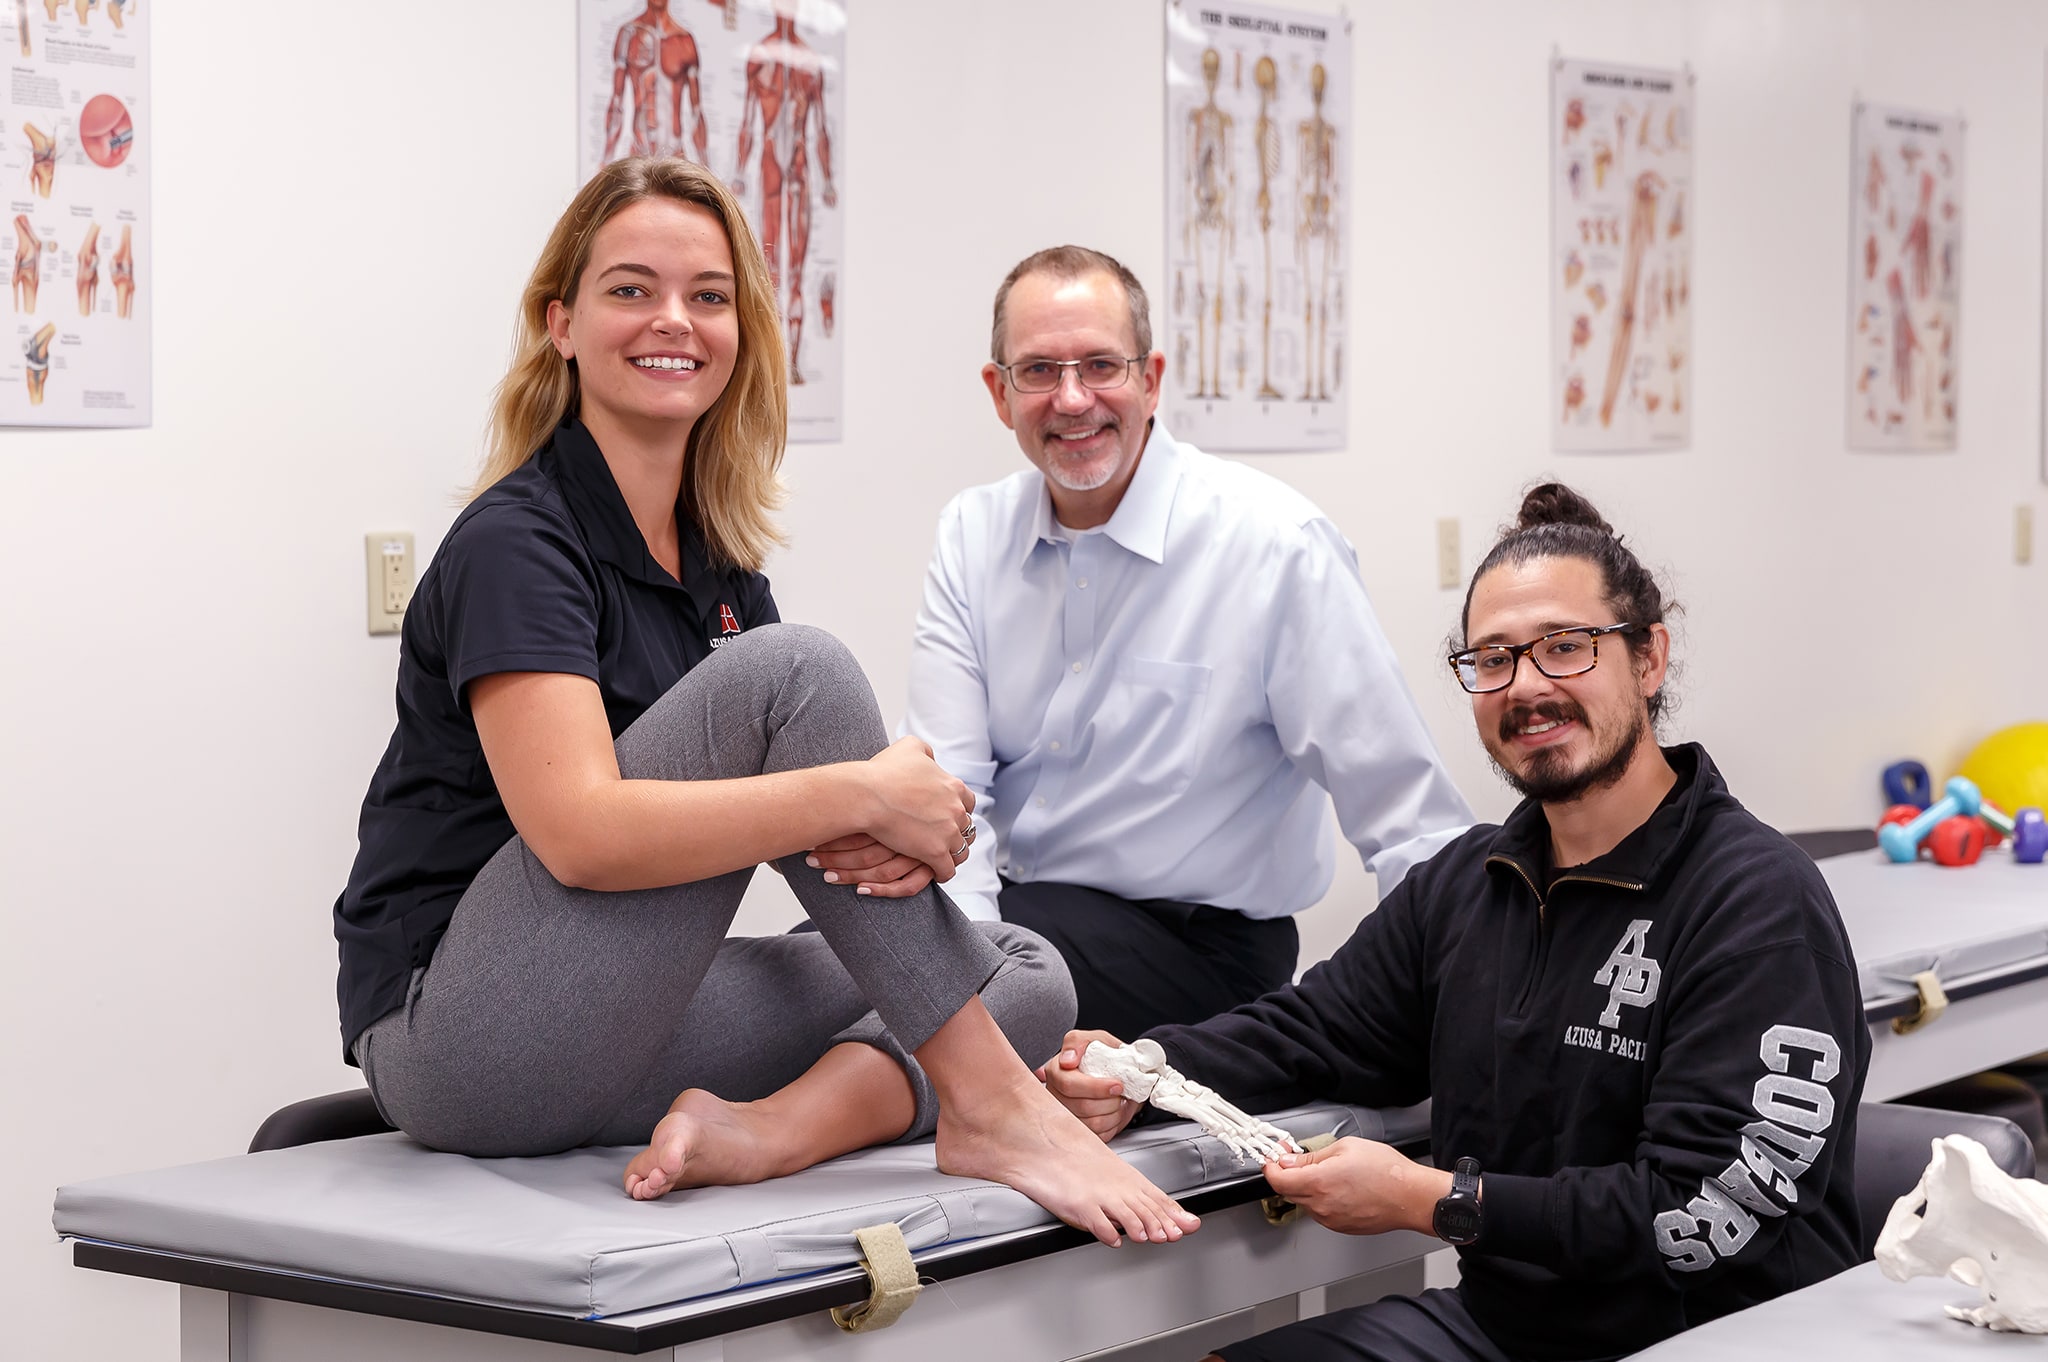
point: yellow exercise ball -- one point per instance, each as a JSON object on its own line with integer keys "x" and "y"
{"x": 2011, "y": 767}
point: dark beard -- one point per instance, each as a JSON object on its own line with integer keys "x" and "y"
{"x": 1549, "y": 780}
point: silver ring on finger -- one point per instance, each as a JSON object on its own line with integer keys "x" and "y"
{"x": 967, "y": 834}
{"x": 960, "y": 854}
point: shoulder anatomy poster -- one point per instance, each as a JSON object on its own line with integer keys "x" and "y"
{"x": 1621, "y": 257}
{"x": 756, "y": 90}
{"x": 1905, "y": 279}
{"x": 1258, "y": 134}
{"x": 75, "y": 152}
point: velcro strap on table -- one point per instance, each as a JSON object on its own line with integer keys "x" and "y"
{"x": 892, "y": 1281}
{"x": 1933, "y": 1002}
{"x": 1279, "y": 1210}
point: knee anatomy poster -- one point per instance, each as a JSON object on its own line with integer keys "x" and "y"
{"x": 1621, "y": 257}
{"x": 75, "y": 151}
{"x": 1905, "y": 278}
{"x": 755, "y": 90}
{"x": 1258, "y": 136}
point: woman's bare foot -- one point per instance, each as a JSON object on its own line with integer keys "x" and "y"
{"x": 705, "y": 1141}
{"x": 854, "y": 1096}
{"x": 1027, "y": 1140}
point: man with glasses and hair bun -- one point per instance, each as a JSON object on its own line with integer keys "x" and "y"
{"x": 1632, "y": 1005}
{"x": 1149, "y": 664}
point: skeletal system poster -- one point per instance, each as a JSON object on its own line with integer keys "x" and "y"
{"x": 1621, "y": 257}
{"x": 75, "y": 151}
{"x": 755, "y": 90}
{"x": 1258, "y": 135}
{"x": 1905, "y": 279}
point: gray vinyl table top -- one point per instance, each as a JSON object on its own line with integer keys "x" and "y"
{"x": 1859, "y": 1314}
{"x": 1957, "y": 921}
{"x": 557, "y": 1235}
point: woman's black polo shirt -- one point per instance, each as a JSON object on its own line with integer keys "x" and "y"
{"x": 545, "y": 572}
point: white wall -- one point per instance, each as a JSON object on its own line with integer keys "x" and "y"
{"x": 346, "y": 206}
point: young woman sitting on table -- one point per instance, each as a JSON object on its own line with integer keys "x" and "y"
{"x": 603, "y": 729}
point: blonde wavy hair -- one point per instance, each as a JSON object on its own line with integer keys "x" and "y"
{"x": 731, "y": 483}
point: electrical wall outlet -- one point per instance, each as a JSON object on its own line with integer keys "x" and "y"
{"x": 388, "y": 559}
{"x": 2023, "y": 535}
{"x": 1449, "y": 574}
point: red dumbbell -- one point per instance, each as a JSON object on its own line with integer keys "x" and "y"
{"x": 1957, "y": 841}
{"x": 1901, "y": 814}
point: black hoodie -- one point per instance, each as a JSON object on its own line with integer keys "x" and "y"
{"x": 1656, "y": 1060}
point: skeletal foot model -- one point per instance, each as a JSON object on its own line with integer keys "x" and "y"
{"x": 1146, "y": 1076}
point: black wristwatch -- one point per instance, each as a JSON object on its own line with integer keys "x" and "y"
{"x": 1458, "y": 1219}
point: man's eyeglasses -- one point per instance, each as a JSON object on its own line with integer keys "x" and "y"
{"x": 1095, "y": 371}
{"x": 1558, "y": 654}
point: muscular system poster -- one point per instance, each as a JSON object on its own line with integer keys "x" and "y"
{"x": 1258, "y": 134}
{"x": 1905, "y": 278}
{"x": 756, "y": 90}
{"x": 74, "y": 153}
{"x": 1622, "y": 212}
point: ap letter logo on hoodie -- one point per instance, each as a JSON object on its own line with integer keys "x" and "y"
{"x": 1631, "y": 976}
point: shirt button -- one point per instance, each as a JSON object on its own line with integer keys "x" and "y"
{"x": 1055, "y": 744}
{"x": 1040, "y": 801}
{"x": 1082, "y": 584}
{"x": 1077, "y": 666}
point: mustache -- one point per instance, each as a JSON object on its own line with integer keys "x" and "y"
{"x": 1522, "y": 716}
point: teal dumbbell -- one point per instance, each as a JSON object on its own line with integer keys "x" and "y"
{"x": 1901, "y": 842}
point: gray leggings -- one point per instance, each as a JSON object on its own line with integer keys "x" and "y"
{"x": 552, "y": 1017}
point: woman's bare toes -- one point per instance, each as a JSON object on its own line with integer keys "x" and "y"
{"x": 705, "y": 1141}
{"x": 655, "y": 1169}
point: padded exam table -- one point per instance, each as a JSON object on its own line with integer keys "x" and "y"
{"x": 378, "y": 1248}
{"x": 1974, "y": 937}
{"x": 375, "y": 1247}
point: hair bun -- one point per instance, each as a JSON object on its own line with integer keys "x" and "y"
{"x": 1553, "y": 503}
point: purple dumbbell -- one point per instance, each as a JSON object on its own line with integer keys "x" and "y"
{"x": 2029, "y": 837}
{"x": 1901, "y": 842}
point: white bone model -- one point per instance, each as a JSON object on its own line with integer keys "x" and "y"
{"x": 1970, "y": 1220}
{"x": 1142, "y": 1069}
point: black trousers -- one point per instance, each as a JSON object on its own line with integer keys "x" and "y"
{"x": 1431, "y": 1327}
{"x": 1143, "y": 963}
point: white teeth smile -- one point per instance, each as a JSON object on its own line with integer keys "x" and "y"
{"x": 1534, "y": 729}
{"x": 1076, "y": 436}
{"x": 663, "y": 362}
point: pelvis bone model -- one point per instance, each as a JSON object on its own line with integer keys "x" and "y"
{"x": 1968, "y": 1219}
{"x": 1142, "y": 1068}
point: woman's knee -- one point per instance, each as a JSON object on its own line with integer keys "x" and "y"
{"x": 798, "y": 649}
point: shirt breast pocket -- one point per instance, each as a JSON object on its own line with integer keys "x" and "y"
{"x": 1148, "y": 737}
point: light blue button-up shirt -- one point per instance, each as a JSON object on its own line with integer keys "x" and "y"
{"x": 1156, "y": 709}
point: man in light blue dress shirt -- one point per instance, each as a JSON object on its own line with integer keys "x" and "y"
{"x": 1149, "y": 665}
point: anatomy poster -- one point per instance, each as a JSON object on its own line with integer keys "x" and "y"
{"x": 756, "y": 90}
{"x": 75, "y": 151}
{"x": 1905, "y": 279}
{"x": 1258, "y": 141}
{"x": 1622, "y": 212}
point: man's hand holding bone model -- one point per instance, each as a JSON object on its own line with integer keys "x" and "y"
{"x": 1098, "y": 1102}
{"x": 1359, "y": 1186}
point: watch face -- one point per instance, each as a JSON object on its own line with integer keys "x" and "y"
{"x": 1457, "y": 1220}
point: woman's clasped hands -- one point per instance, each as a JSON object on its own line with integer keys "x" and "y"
{"x": 917, "y": 825}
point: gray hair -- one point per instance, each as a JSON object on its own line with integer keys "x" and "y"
{"x": 1072, "y": 262}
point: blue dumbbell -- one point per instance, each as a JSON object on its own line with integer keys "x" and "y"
{"x": 1901, "y": 842}
{"x": 1906, "y": 782}
{"x": 2029, "y": 837}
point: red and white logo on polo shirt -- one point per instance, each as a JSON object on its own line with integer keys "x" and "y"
{"x": 728, "y": 623}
